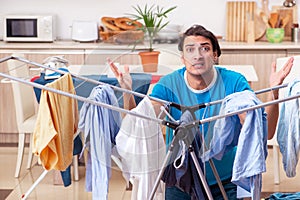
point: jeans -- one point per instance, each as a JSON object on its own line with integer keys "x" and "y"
{"x": 66, "y": 175}
{"x": 230, "y": 189}
{"x": 174, "y": 193}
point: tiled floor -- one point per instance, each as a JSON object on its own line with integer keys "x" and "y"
{"x": 117, "y": 188}
{"x": 46, "y": 189}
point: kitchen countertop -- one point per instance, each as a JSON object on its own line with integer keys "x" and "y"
{"x": 67, "y": 44}
{"x": 107, "y": 46}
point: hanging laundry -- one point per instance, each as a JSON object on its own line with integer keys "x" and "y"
{"x": 66, "y": 175}
{"x": 141, "y": 147}
{"x": 183, "y": 172}
{"x": 250, "y": 139}
{"x": 100, "y": 126}
{"x": 56, "y": 125}
{"x": 140, "y": 84}
{"x": 55, "y": 62}
{"x": 288, "y": 129}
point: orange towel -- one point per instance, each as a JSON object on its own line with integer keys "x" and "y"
{"x": 56, "y": 125}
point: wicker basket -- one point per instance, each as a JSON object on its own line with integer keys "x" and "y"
{"x": 122, "y": 37}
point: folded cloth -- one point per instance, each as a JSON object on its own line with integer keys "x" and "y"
{"x": 49, "y": 74}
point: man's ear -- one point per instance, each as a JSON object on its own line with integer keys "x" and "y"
{"x": 215, "y": 54}
{"x": 182, "y": 57}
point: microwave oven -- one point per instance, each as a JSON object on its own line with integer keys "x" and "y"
{"x": 29, "y": 28}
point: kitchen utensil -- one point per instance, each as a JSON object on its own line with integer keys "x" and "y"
{"x": 265, "y": 7}
{"x": 275, "y": 35}
{"x": 273, "y": 19}
{"x": 295, "y": 35}
{"x": 285, "y": 21}
{"x": 260, "y": 27}
{"x": 283, "y": 12}
{"x": 264, "y": 18}
{"x": 170, "y": 32}
{"x": 279, "y": 22}
{"x": 289, "y": 3}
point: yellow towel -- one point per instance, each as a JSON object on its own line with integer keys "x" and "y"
{"x": 56, "y": 125}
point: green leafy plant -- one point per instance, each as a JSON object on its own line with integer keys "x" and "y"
{"x": 151, "y": 18}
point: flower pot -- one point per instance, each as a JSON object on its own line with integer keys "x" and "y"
{"x": 149, "y": 60}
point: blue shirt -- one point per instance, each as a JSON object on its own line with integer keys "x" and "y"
{"x": 251, "y": 139}
{"x": 173, "y": 88}
{"x": 288, "y": 129}
{"x": 100, "y": 126}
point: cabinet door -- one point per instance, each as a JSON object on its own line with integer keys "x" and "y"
{"x": 98, "y": 57}
{"x": 293, "y": 53}
{"x": 7, "y": 108}
{"x": 260, "y": 59}
{"x": 75, "y": 57}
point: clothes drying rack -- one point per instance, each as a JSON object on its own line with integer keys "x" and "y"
{"x": 168, "y": 123}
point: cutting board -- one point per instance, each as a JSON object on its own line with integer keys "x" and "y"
{"x": 284, "y": 11}
{"x": 260, "y": 27}
{"x": 238, "y": 14}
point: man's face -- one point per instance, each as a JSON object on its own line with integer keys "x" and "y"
{"x": 198, "y": 55}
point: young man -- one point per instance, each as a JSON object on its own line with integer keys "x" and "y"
{"x": 199, "y": 81}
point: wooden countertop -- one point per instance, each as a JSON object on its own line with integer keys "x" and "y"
{"x": 56, "y": 45}
{"x": 68, "y": 44}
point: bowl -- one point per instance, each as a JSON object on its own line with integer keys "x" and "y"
{"x": 275, "y": 35}
{"x": 170, "y": 32}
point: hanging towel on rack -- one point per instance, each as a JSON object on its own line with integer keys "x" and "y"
{"x": 56, "y": 124}
{"x": 288, "y": 129}
{"x": 66, "y": 175}
{"x": 251, "y": 141}
{"x": 141, "y": 146}
{"x": 100, "y": 126}
{"x": 43, "y": 81}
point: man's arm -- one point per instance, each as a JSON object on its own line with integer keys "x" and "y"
{"x": 125, "y": 82}
{"x": 276, "y": 78}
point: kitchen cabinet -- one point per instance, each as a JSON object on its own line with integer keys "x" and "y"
{"x": 293, "y": 52}
{"x": 98, "y": 57}
{"x": 74, "y": 57}
{"x": 7, "y": 109}
{"x": 260, "y": 59}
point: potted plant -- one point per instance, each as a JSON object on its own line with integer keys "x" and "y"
{"x": 151, "y": 18}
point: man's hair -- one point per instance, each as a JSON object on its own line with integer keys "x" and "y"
{"x": 198, "y": 30}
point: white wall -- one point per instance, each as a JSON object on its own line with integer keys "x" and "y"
{"x": 209, "y": 13}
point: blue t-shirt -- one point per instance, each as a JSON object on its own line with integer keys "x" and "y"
{"x": 173, "y": 88}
